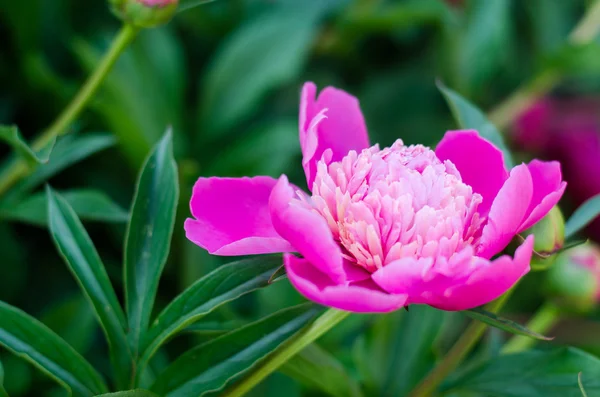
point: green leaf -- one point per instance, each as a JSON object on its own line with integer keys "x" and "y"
{"x": 503, "y": 324}
{"x": 185, "y": 5}
{"x": 318, "y": 369}
{"x": 223, "y": 285}
{"x": 580, "y": 384}
{"x": 211, "y": 366}
{"x": 33, "y": 341}
{"x": 530, "y": 374}
{"x": 79, "y": 253}
{"x": 88, "y": 204}
{"x": 130, "y": 393}
{"x": 576, "y": 59}
{"x": 149, "y": 235}
{"x": 238, "y": 78}
{"x": 3, "y": 392}
{"x": 11, "y": 135}
{"x": 468, "y": 116}
{"x": 586, "y": 213}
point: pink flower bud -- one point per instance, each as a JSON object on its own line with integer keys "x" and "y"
{"x": 144, "y": 13}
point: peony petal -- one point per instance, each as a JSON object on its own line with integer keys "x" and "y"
{"x": 306, "y": 231}
{"x": 480, "y": 163}
{"x": 332, "y": 121}
{"x": 364, "y": 297}
{"x": 403, "y": 276}
{"x": 232, "y": 217}
{"x": 508, "y": 211}
{"x": 548, "y": 188}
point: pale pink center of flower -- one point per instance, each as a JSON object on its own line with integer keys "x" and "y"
{"x": 402, "y": 201}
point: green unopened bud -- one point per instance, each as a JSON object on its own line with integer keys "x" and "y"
{"x": 573, "y": 282}
{"x": 549, "y": 238}
{"x": 144, "y": 13}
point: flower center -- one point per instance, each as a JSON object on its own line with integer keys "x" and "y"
{"x": 402, "y": 201}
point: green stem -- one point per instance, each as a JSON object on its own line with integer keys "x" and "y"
{"x": 458, "y": 352}
{"x": 18, "y": 168}
{"x": 323, "y": 324}
{"x": 545, "y": 318}
{"x": 505, "y": 113}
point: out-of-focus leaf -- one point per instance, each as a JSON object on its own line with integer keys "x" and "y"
{"x": 530, "y": 374}
{"x": 11, "y": 135}
{"x": 318, "y": 369}
{"x": 575, "y": 59}
{"x": 3, "y": 392}
{"x": 130, "y": 393}
{"x": 90, "y": 205}
{"x": 468, "y": 116}
{"x": 586, "y": 213}
{"x": 266, "y": 52}
{"x": 550, "y": 26}
{"x": 580, "y": 384}
{"x": 211, "y": 366}
{"x": 33, "y": 341}
{"x": 79, "y": 253}
{"x": 503, "y": 324}
{"x": 223, "y": 285}
{"x": 399, "y": 350}
{"x": 185, "y": 5}
{"x": 149, "y": 235}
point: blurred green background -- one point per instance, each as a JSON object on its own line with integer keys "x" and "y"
{"x": 226, "y": 77}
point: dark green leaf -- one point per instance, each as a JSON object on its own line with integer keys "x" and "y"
{"x": 238, "y": 78}
{"x": 11, "y": 135}
{"x": 211, "y": 366}
{"x": 90, "y": 205}
{"x": 130, "y": 393}
{"x": 226, "y": 283}
{"x": 3, "y": 392}
{"x": 468, "y": 116}
{"x": 79, "y": 253}
{"x": 502, "y": 323}
{"x": 33, "y": 341}
{"x": 185, "y": 5}
{"x": 149, "y": 235}
{"x": 318, "y": 369}
{"x": 587, "y": 212}
{"x": 530, "y": 374}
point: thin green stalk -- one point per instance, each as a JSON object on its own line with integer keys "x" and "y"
{"x": 458, "y": 352}
{"x": 323, "y": 324}
{"x": 542, "y": 321}
{"x": 18, "y": 168}
{"x": 505, "y": 113}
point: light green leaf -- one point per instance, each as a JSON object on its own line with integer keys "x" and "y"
{"x": 149, "y": 235}
{"x": 580, "y": 384}
{"x": 503, "y": 324}
{"x": 530, "y": 374}
{"x": 239, "y": 77}
{"x": 586, "y": 213}
{"x": 79, "y": 253}
{"x": 212, "y": 365}
{"x": 88, "y": 204}
{"x": 318, "y": 369}
{"x": 11, "y": 135}
{"x": 468, "y": 116}
{"x": 130, "y": 393}
{"x": 33, "y": 341}
{"x": 223, "y": 285}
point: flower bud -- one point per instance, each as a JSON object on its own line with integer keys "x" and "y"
{"x": 549, "y": 237}
{"x": 144, "y": 13}
{"x": 573, "y": 282}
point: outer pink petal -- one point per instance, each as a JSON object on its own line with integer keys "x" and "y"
{"x": 306, "y": 231}
{"x": 232, "y": 217}
{"x": 364, "y": 297}
{"x": 480, "y": 163}
{"x": 332, "y": 121}
{"x": 508, "y": 211}
{"x": 548, "y": 188}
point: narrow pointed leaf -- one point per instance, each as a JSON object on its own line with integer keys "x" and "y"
{"x": 80, "y": 255}
{"x": 580, "y": 384}
{"x": 503, "y": 324}
{"x": 91, "y": 205}
{"x": 12, "y": 136}
{"x": 212, "y": 365}
{"x": 226, "y": 283}
{"x": 33, "y": 341}
{"x": 586, "y": 213}
{"x": 149, "y": 235}
{"x": 468, "y": 116}
{"x": 130, "y": 393}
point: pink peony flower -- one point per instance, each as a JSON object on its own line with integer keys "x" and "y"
{"x": 382, "y": 228}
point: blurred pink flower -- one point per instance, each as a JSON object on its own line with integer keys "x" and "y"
{"x": 158, "y": 3}
{"x": 383, "y": 228}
